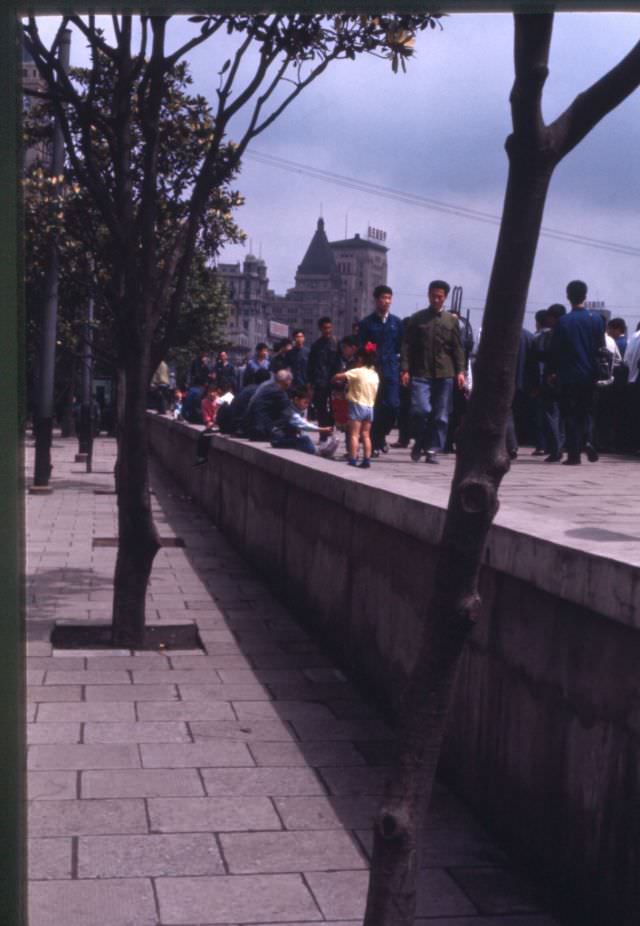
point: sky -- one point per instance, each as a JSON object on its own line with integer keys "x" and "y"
{"x": 438, "y": 132}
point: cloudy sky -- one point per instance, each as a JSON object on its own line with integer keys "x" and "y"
{"x": 437, "y": 133}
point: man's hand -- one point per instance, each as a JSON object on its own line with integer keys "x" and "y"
{"x": 327, "y": 430}
{"x": 404, "y": 378}
{"x": 461, "y": 380}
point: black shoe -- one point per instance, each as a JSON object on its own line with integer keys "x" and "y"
{"x": 375, "y": 454}
{"x": 553, "y": 458}
{"x": 572, "y": 461}
{"x": 416, "y": 453}
{"x": 385, "y": 447}
{"x": 365, "y": 464}
{"x": 431, "y": 457}
{"x": 592, "y": 454}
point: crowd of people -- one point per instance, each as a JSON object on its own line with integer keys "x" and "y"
{"x": 577, "y": 386}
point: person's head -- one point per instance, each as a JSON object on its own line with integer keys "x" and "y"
{"x": 555, "y": 313}
{"x": 617, "y": 327}
{"x": 283, "y": 379}
{"x": 366, "y": 355}
{"x": 576, "y": 292}
{"x": 223, "y": 357}
{"x": 261, "y": 376}
{"x": 541, "y": 319}
{"x": 348, "y": 346}
{"x": 298, "y": 338}
{"x": 262, "y": 350}
{"x": 437, "y": 293}
{"x": 382, "y": 296}
{"x": 325, "y": 327}
{"x": 300, "y": 397}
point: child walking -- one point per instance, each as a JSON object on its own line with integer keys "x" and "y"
{"x": 362, "y": 386}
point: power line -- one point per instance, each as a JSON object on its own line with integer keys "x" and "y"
{"x": 425, "y": 202}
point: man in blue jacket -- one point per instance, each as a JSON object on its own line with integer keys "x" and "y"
{"x": 573, "y": 353}
{"x": 385, "y": 331}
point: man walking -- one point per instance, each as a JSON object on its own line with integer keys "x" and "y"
{"x": 573, "y": 352}
{"x": 433, "y": 361}
{"x": 299, "y": 359}
{"x": 385, "y": 331}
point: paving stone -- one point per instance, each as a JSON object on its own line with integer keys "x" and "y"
{"x": 123, "y": 902}
{"x": 323, "y": 850}
{"x": 225, "y": 753}
{"x": 342, "y": 894}
{"x": 275, "y": 782}
{"x": 316, "y": 813}
{"x": 148, "y": 856}
{"x": 83, "y": 712}
{"x": 135, "y": 732}
{"x": 283, "y": 710}
{"x": 185, "y": 710}
{"x": 205, "y": 676}
{"x": 52, "y": 785}
{"x": 306, "y": 754}
{"x": 49, "y": 859}
{"x": 84, "y": 756}
{"x": 75, "y": 818}
{"x": 141, "y": 782}
{"x": 495, "y": 890}
{"x": 131, "y": 693}
{"x": 355, "y": 780}
{"x": 220, "y": 814}
{"x": 138, "y": 663}
{"x": 217, "y": 661}
{"x": 222, "y": 692}
{"x": 59, "y": 663}
{"x": 53, "y": 733}
{"x": 247, "y": 731}
{"x": 310, "y": 728}
{"x": 52, "y": 693}
{"x": 88, "y": 677}
{"x": 264, "y": 676}
{"x": 235, "y": 899}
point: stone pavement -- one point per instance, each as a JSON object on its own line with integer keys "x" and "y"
{"x": 230, "y": 786}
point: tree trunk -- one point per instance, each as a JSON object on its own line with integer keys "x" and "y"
{"x": 482, "y": 462}
{"x": 138, "y": 540}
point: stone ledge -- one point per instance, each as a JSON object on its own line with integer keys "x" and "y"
{"x": 601, "y": 584}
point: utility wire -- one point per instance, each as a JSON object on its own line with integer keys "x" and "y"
{"x": 425, "y": 202}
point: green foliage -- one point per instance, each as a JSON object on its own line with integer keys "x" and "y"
{"x": 65, "y": 208}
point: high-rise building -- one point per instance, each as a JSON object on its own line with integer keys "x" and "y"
{"x": 362, "y": 264}
{"x": 31, "y": 80}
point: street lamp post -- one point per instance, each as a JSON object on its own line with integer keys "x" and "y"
{"x": 85, "y": 435}
{"x": 43, "y": 419}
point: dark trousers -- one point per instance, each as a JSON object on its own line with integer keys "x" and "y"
{"x": 552, "y": 424}
{"x": 322, "y": 405}
{"x": 404, "y": 416}
{"x": 202, "y": 447}
{"x": 576, "y": 405}
{"x": 385, "y": 411}
{"x": 301, "y": 442}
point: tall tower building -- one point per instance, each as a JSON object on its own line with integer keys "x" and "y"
{"x": 362, "y": 264}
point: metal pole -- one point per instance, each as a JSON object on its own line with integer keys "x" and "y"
{"x": 43, "y": 423}
{"x": 85, "y": 436}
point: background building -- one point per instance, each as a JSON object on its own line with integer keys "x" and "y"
{"x": 334, "y": 278}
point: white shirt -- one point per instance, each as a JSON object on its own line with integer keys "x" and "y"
{"x": 632, "y": 357}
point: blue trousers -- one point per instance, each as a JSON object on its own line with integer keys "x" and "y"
{"x": 301, "y": 442}
{"x": 430, "y": 406}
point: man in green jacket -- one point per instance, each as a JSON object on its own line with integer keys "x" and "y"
{"x": 432, "y": 360}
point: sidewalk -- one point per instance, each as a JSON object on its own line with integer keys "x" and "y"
{"x": 230, "y": 786}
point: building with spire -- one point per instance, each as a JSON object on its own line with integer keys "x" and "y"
{"x": 334, "y": 278}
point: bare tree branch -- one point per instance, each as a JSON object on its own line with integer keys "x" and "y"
{"x": 593, "y": 104}
{"x": 91, "y": 34}
{"x": 194, "y": 42}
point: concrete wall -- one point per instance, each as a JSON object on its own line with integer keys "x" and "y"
{"x": 544, "y": 739}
